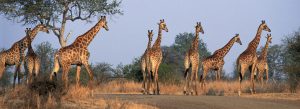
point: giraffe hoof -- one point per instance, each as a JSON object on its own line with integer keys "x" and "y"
{"x": 251, "y": 91}
{"x": 239, "y": 93}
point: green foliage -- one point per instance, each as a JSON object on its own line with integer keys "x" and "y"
{"x": 6, "y": 79}
{"x": 292, "y": 59}
{"x": 45, "y": 51}
{"x": 33, "y": 11}
{"x": 133, "y": 71}
{"x": 102, "y": 72}
{"x": 167, "y": 74}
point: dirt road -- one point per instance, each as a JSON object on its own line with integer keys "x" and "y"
{"x": 205, "y": 102}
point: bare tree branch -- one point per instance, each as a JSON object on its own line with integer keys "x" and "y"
{"x": 68, "y": 36}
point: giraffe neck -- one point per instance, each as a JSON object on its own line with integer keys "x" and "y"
{"x": 158, "y": 40}
{"x": 30, "y": 50}
{"x": 264, "y": 52}
{"x": 254, "y": 43}
{"x": 224, "y": 50}
{"x": 85, "y": 39}
{"x": 23, "y": 43}
{"x": 195, "y": 43}
{"x": 149, "y": 44}
{"x": 34, "y": 32}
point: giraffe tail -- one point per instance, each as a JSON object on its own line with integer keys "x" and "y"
{"x": 56, "y": 66}
{"x": 186, "y": 72}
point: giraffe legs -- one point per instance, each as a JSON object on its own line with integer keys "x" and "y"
{"x": 156, "y": 90}
{"x": 143, "y": 68}
{"x": 91, "y": 75}
{"x": 78, "y": 68}
{"x": 149, "y": 80}
{"x": 16, "y": 73}
{"x": 267, "y": 73}
{"x": 203, "y": 76}
{"x": 252, "y": 79}
{"x": 186, "y": 84}
{"x": 65, "y": 72}
{"x": 195, "y": 79}
{"x": 241, "y": 73}
{"x": 187, "y": 66}
{"x": 55, "y": 68}
{"x": 219, "y": 71}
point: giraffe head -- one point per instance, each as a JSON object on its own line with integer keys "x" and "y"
{"x": 264, "y": 26}
{"x": 28, "y": 32}
{"x": 42, "y": 27}
{"x": 163, "y": 25}
{"x": 199, "y": 28}
{"x": 269, "y": 38}
{"x": 103, "y": 23}
{"x": 237, "y": 39}
{"x": 150, "y": 35}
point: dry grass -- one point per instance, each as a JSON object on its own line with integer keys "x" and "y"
{"x": 212, "y": 88}
{"x": 24, "y": 96}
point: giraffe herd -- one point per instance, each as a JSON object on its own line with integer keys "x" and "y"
{"x": 78, "y": 54}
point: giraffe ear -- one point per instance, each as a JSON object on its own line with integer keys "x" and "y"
{"x": 104, "y": 17}
{"x": 151, "y": 31}
{"x": 263, "y": 21}
{"x": 148, "y": 31}
{"x": 163, "y": 20}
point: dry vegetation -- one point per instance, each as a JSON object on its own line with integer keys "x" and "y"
{"x": 212, "y": 88}
{"x": 50, "y": 95}
{"x": 80, "y": 97}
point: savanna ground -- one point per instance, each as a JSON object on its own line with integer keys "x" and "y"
{"x": 124, "y": 94}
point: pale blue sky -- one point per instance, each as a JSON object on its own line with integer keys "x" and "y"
{"x": 221, "y": 19}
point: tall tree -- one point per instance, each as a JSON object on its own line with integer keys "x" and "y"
{"x": 56, "y": 13}
{"x": 292, "y": 59}
{"x": 45, "y": 52}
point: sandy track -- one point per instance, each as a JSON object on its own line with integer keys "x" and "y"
{"x": 204, "y": 102}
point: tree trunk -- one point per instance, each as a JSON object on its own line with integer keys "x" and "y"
{"x": 62, "y": 41}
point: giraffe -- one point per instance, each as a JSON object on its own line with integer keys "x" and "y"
{"x": 216, "y": 62}
{"x": 248, "y": 58}
{"x": 77, "y": 54}
{"x": 154, "y": 58}
{"x": 32, "y": 61}
{"x": 143, "y": 60}
{"x": 262, "y": 64}
{"x": 15, "y": 55}
{"x": 191, "y": 60}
